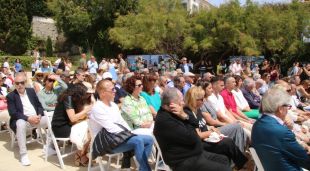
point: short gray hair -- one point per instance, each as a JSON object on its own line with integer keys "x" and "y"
{"x": 170, "y": 94}
{"x": 273, "y": 99}
{"x": 248, "y": 82}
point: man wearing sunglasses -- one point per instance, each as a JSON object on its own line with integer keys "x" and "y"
{"x": 25, "y": 110}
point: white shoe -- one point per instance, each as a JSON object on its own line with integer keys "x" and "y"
{"x": 25, "y": 160}
{"x": 50, "y": 150}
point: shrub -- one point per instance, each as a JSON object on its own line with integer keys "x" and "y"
{"x": 26, "y": 61}
{"x": 49, "y": 46}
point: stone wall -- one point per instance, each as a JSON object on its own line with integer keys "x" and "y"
{"x": 43, "y": 27}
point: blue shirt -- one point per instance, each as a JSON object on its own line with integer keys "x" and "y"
{"x": 186, "y": 68}
{"x": 18, "y": 67}
{"x": 186, "y": 87}
{"x": 152, "y": 100}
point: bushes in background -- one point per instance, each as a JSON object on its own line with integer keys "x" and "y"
{"x": 26, "y": 61}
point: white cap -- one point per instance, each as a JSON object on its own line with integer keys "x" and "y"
{"x": 106, "y": 75}
{"x": 189, "y": 74}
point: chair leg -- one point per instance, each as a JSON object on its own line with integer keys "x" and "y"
{"x": 90, "y": 159}
{"x": 118, "y": 159}
{"x": 99, "y": 160}
{"x": 109, "y": 162}
{"x": 61, "y": 162}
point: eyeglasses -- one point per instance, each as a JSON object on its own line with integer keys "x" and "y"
{"x": 20, "y": 83}
{"x": 139, "y": 85}
{"x": 288, "y": 106}
{"x": 200, "y": 99}
{"x": 51, "y": 80}
{"x": 113, "y": 90}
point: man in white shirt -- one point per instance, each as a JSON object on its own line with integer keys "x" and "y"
{"x": 92, "y": 65}
{"x": 217, "y": 101}
{"x": 26, "y": 111}
{"x": 106, "y": 114}
{"x": 237, "y": 68}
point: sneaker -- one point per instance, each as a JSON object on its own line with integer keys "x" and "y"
{"x": 25, "y": 160}
{"x": 50, "y": 150}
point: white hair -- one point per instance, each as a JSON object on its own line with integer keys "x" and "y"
{"x": 248, "y": 82}
{"x": 169, "y": 95}
{"x": 273, "y": 99}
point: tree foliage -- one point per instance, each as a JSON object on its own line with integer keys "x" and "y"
{"x": 158, "y": 26}
{"x": 49, "y": 46}
{"x": 85, "y": 23}
{"x": 251, "y": 30}
{"x": 14, "y": 26}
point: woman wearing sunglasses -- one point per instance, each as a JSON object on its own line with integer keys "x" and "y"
{"x": 213, "y": 140}
{"x": 134, "y": 107}
{"x": 49, "y": 94}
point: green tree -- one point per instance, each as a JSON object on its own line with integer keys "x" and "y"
{"x": 37, "y": 8}
{"x": 49, "y": 47}
{"x": 14, "y": 26}
{"x": 85, "y": 23}
{"x": 159, "y": 26}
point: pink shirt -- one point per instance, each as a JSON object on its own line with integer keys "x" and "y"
{"x": 229, "y": 100}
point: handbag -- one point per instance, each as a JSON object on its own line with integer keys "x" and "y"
{"x": 105, "y": 142}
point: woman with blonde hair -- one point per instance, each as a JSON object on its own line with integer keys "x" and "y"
{"x": 213, "y": 140}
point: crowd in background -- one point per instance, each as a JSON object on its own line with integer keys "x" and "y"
{"x": 222, "y": 102}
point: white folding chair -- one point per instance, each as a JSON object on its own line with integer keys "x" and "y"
{"x": 39, "y": 138}
{"x": 99, "y": 159}
{"x": 160, "y": 163}
{"x": 258, "y": 165}
{"x": 60, "y": 154}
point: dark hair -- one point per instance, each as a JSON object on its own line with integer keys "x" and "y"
{"x": 130, "y": 83}
{"x": 237, "y": 78}
{"x": 78, "y": 95}
{"x": 216, "y": 79}
{"x": 203, "y": 84}
{"x": 265, "y": 75}
{"x": 148, "y": 85}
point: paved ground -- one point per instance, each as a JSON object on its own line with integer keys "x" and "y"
{"x": 9, "y": 158}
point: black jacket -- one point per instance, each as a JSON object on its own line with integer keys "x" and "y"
{"x": 15, "y": 106}
{"x": 177, "y": 139}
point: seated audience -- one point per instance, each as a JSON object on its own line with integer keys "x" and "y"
{"x": 274, "y": 143}
{"x": 134, "y": 107}
{"x": 179, "y": 142}
{"x": 73, "y": 106}
{"x": 106, "y": 114}
{"x": 223, "y": 145}
{"x": 250, "y": 96}
{"x": 25, "y": 111}
{"x": 232, "y": 130}
{"x": 149, "y": 94}
{"x": 38, "y": 81}
{"x": 229, "y": 99}
{"x": 49, "y": 94}
{"x": 242, "y": 103}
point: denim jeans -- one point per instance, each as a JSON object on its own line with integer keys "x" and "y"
{"x": 142, "y": 146}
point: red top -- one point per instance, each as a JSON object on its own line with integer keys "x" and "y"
{"x": 229, "y": 100}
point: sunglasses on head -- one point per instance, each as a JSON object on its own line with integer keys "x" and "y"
{"x": 20, "y": 83}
